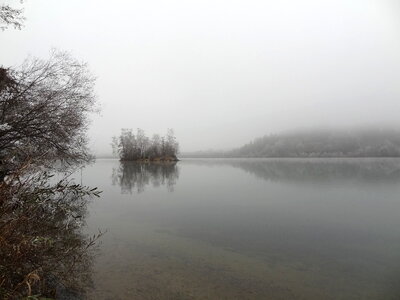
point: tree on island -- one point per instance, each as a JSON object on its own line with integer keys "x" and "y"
{"x": 139, "y": 147}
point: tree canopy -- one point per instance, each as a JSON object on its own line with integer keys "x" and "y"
{"x": 43, "y": 110}
{"x": 139, "y": 147}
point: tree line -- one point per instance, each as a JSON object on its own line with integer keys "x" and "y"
{"x": 365, "y": 142}
{"x": 324, "y": 143}
{"x": 138, "y": 147}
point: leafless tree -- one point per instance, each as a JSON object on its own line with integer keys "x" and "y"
{"x": 44, "y": 108}
{"x": 140, "y": 147}
{"x": 10, "y": 17}
{"x": 172, "y": 146}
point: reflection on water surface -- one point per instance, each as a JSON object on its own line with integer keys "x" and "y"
{"x": 134, "y": 176}
{"x": 248, "y": 229}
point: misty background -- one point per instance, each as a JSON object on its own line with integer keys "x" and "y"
{"x": 222, "y": 73}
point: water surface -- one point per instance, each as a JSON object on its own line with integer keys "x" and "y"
{"x": 247, "y": 229}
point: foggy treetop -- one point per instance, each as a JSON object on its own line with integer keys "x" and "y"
{"x": 131, "y": 147}
{"x": 325, "y": 143}
{"x": 318, "y": 143}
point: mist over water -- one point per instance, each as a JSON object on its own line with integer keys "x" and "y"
{"x": 303, "y": 96}
{"x": 248, "y": 229}
{"x": 223, "y": 73}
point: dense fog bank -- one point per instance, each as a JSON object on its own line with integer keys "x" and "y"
{"x": 317, "y": 143}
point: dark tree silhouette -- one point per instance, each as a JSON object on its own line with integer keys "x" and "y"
{"x": 42, "y": 247}
{"x": 43, "y": 119}
{"x": 43, "y": 111}
{"x": 131, "y": 147}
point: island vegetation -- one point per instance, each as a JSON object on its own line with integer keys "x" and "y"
{"x": 138, "y": 147}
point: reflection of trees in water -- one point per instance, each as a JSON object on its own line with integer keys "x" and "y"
{"x": 43, "y": 250}
{"x": 318, "y": 170}
{"x": 133, "y": 176}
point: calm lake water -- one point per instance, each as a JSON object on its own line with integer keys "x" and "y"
{"x": 247, "y": 229}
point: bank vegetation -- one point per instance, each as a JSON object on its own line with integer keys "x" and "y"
{"x": 44, "y": 106}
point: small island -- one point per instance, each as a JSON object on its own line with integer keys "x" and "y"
{"x": 140, "y": 148}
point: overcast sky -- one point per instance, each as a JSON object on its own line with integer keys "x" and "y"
{"x": 222, "y": 72}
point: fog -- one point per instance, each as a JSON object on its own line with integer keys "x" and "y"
{"x": 221, "y": 73}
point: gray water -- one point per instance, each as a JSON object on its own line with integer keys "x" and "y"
{"x": 247, "y": 229}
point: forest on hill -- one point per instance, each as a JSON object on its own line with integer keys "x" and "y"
{"x": 324, "y": 143}
{"x": 317, "y": 143}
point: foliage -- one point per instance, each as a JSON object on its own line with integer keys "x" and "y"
{"x": 140, "y": 147}
{"x": 43, "y": 120}
{"x": 41, "y": 244}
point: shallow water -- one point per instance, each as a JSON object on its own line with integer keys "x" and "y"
{"x": 247, "y": 229}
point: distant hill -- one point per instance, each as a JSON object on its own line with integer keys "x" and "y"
{"x": 324, "y": 143}
{"x": 317, "y": 143}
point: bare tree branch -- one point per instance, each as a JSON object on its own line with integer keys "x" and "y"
{"x": 44, "y": 108}
{"x": 11, "y": 17}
